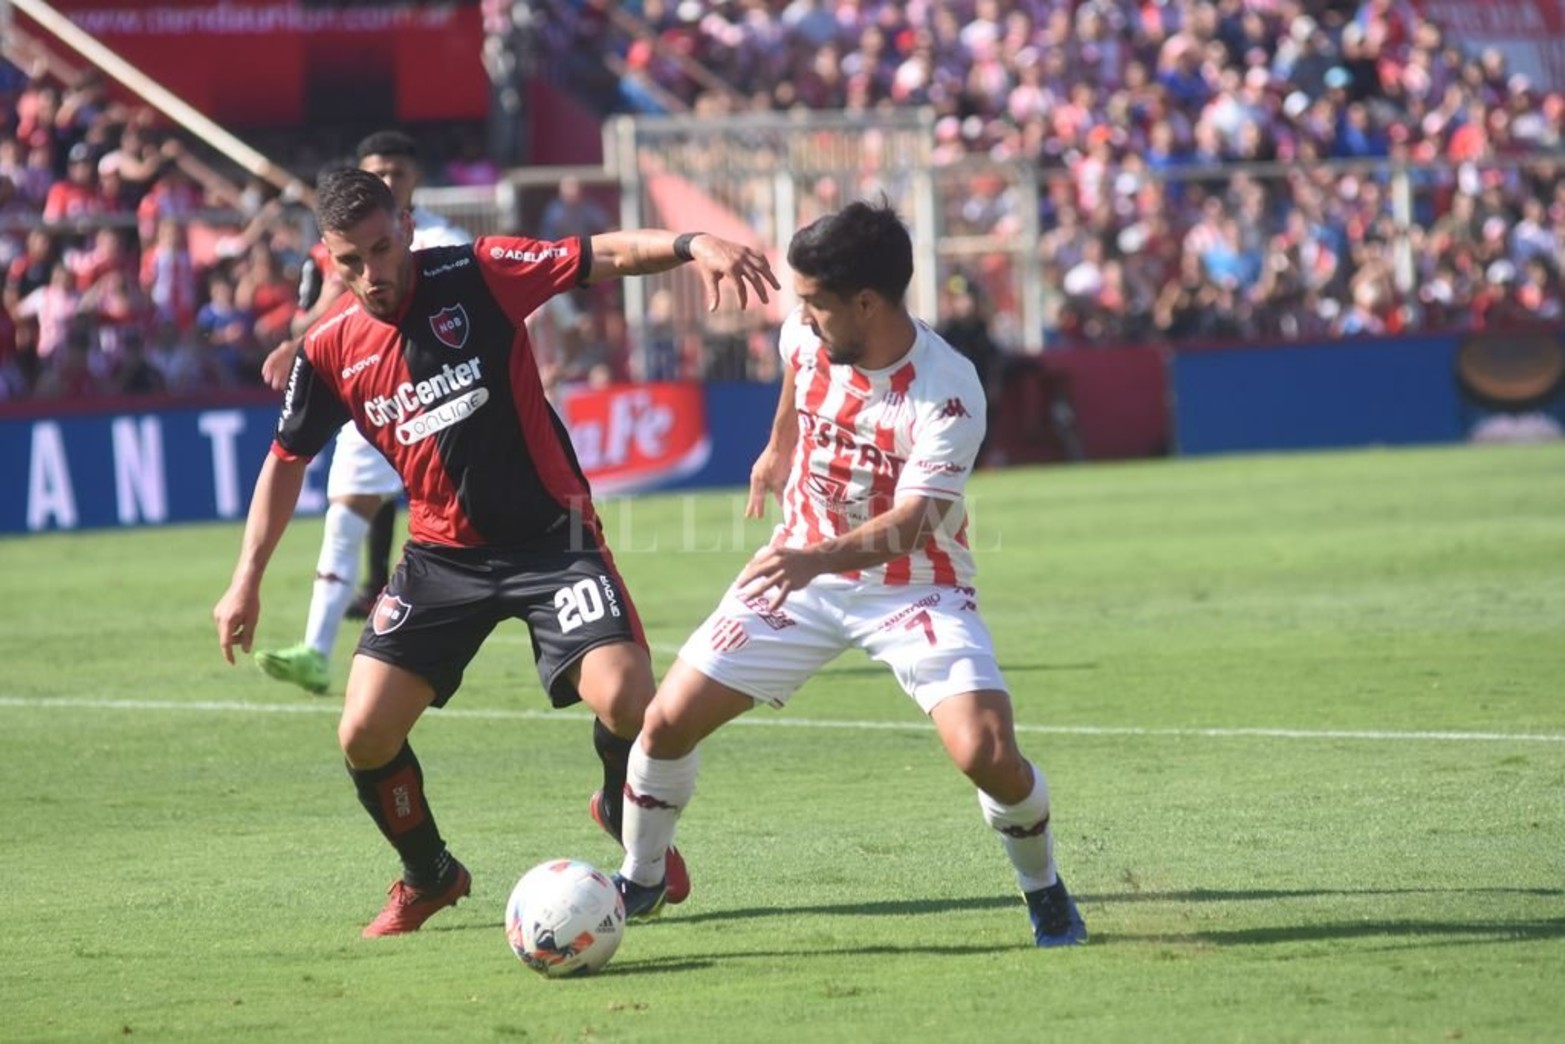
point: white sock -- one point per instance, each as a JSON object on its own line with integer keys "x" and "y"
{"x": 336, "y": 573}
{"x": 656, "y": 792}
{"x": 1025, "y": 833}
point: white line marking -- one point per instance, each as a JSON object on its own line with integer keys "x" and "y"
{"x": 501, "y": 714}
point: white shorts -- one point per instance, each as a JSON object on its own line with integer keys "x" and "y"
{"x": 357, "y": 468}
{"x": 930, "y": 636}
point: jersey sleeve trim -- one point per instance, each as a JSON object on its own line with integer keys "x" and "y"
{"x": 585, "y": 261}
{"x": 928, "y": 491}
{"x": 281, "y": 452}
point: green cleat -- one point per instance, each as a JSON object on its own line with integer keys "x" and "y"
{"x": 299, "y": 664}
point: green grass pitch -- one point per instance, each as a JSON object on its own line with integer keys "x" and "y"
{"x": 1302, "y": 718}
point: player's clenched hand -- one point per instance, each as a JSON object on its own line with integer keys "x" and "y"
{"x": 779, "y": 570}
{"x": 768, "y": 476}
{"x": 235, "y": 615}
{"x": 279, "y": 361}
{"x": 717, "y": 259}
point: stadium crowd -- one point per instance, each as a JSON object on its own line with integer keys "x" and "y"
{"x": 1125, "y": 107}
{"x": 1126, "y": 110}
{"x": 111, "y": 284}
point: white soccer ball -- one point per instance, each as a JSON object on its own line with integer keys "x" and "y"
{"x": 565, "y": 917}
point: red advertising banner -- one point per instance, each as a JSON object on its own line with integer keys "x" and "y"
{"x": 252, "y": 63}
{"x": 1530, "y": 33}
{"x": 633, "y": 437}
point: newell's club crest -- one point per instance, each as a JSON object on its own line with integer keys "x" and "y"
{"x": 450, "y": 326}
{"x": 390, "y": 613}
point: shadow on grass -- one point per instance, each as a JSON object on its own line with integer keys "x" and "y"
{"x": 1213, "y": 895}
{"x": 1493, "y": 931}
{"x": 1428, "y": 933}
{"x": 906, "y": 907}
{"x": 1424, "y": 928}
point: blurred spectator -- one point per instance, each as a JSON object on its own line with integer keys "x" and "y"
{"x": 68, "y": 373}
{"x": 53, "y": 308}
{"x": 226, "y": 327}
{"x": 136, "y": 375}
{"x": 470, "y": 166}
{"x": 77, "y": 199}
{"x": 572, "y": 213}
{"x": 168, "y": 275}
{"x": 106, "y": 253}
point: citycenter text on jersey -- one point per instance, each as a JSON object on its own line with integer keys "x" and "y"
{"x": 409, "y": 397}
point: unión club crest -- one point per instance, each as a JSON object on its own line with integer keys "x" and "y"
{"x": 450, "y": 325}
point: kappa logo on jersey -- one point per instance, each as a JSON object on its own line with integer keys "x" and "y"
{"x": 729, "y": 635}
{"x": 450, "y": 325}
{"x": 954, "y": 408}
{"x": 390, "y": 613}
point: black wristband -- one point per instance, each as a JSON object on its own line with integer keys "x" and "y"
{"x": 682, "y": 245}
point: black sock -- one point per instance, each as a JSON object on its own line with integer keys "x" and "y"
{"x": 614, "y": 752}
{"x": 377, "y": 547}
{"x": 393, "y": 795}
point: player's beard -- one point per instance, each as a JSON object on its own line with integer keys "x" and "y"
{"x": 846, "y": 353}
{"x": 386, "y": 305}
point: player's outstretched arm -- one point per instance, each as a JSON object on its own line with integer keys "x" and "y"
{"x": 770, "y": 473}
{"x": 780, "y": 570}
{"x": 271, "y": 506}
{"x": 645, "y": 251}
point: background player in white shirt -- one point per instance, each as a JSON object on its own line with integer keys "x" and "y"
{"x": 874, "y": 439}
{"x": 361, "y": 487}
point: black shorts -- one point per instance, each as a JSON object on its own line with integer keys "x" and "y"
{"x": 442, "y": 602}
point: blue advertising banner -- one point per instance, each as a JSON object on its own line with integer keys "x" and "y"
{"x": 1390, "y": 391}
{"x": 137, "y": 466}
{"x": 137, "y": 462}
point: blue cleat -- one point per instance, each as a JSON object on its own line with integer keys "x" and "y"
{"x": 642, "y": 902}
{"x": 677, "y": 877}
{"x": 1055, "y": 919}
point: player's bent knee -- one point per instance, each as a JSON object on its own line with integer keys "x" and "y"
{"x": 663, "y": 736}
{"x": 365, "y": 745}
{"x": 688, "y": 708}
{"x": 616, "y": 682}
{"x": 980, "y": 739}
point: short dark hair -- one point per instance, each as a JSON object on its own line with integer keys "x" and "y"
{"x": 346, "y": 197}
{"x": 388, "y": 143}
{"x": 332, "y": 166}
{"x": 863, "y": 246}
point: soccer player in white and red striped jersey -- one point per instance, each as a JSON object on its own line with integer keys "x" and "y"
{"x": 876, "y": 433}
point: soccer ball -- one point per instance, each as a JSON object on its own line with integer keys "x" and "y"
{"x": 565, "y": 917}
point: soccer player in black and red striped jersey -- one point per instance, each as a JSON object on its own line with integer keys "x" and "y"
{"x": 429, "y": 357}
